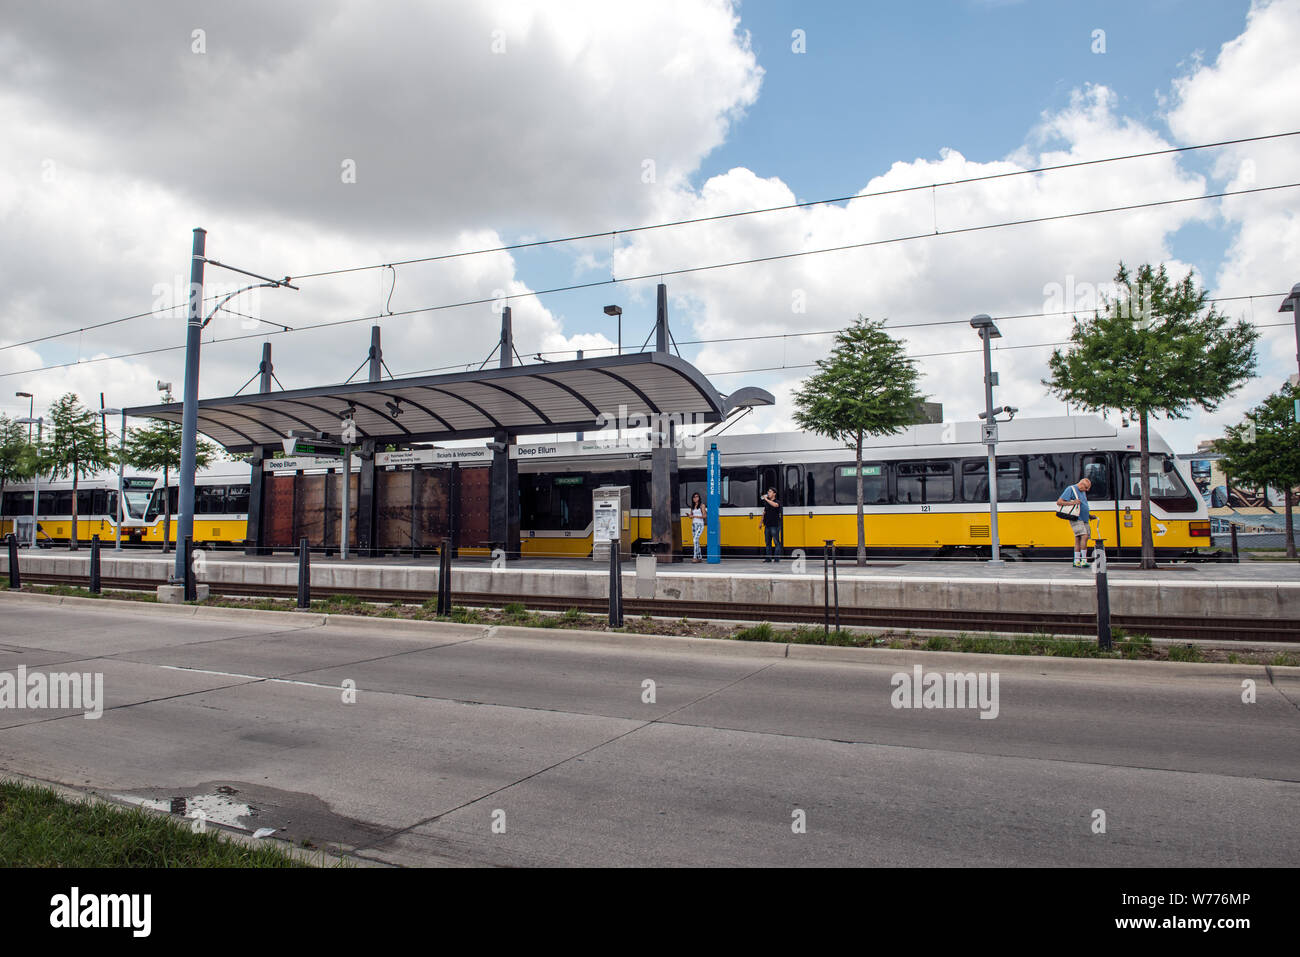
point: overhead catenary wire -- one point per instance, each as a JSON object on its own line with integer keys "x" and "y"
{"x": 613, "y": 233}
{"x": 660, "y": 274}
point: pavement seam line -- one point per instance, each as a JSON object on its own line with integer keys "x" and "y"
{"x": 1268, "y": 670}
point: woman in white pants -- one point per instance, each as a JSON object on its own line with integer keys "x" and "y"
{"x": 697, "y": 524}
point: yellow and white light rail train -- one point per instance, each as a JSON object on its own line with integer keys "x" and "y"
{"x": 926, "y": 494}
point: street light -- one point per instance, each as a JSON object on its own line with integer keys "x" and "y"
{"x": 1290, "y": 304}
{"x": 617, "y": 311}
{"x": 31, "y": 410}
{"x": 36, "y": 478}
{"x": 983, "y": 324}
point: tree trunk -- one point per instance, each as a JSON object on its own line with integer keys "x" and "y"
{"x": 1290, "y": 528}
{"x": 73, "y": 544}
{"x": 862, "y": 529}
{"x": 167, "y": 512}
{"x": 1148, "y": 545}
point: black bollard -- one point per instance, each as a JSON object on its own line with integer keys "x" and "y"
{"x": 615, "y": 586}
{"x": 1103, "y": 597}
{"x": 835, "y": 579}
{"x": 191, "y": 585}
{"x": 826, "y": 589}
{"x": 15, "y": 577}
{"x": 304, "y": 574}
{"x": 444, "y": 578}
{"x": 1232, "y": 529}
{"x": 94, "y": 565}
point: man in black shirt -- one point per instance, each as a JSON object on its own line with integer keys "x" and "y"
{"x": 771, "y": 522}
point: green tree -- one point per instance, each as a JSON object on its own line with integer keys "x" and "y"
{"x": 17, "y": 455}
{"x": 74, "y": 449}
{"x": 866, "y": 387}
{"x": 1273, "y": 457}
{"x": 1155, "y": 349}
{"x": 159, "y": 447}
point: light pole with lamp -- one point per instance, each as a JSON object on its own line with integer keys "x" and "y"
{"x": 983, "y": 324}
{"x": 1290, "y": 304}
{"x": 617, "y": 311}
{"x": 39, "y": 421}
{"x": 31, "y": 411}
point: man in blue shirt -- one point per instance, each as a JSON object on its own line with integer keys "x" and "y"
{"x": 1078, "y": 493}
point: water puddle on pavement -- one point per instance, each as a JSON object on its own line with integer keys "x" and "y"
{"x": 261, "y": 811}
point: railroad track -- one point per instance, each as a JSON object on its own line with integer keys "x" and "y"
{"x": 1206, "y": 629}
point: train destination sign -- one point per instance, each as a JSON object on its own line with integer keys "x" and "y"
{"x": 316, "y": 447}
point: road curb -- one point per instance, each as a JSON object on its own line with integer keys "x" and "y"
{"x": 1105, "y": 667}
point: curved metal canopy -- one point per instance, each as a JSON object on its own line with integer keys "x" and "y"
{"x": 579, "y": 395}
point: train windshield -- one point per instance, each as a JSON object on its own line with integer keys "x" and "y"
{"x": 137, "y": 491}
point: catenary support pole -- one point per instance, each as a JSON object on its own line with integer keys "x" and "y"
{"x": 190, "y": 415}
{"x": 121, "y": 485}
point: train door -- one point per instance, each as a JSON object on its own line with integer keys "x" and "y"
{"x": 1102, "y": 503}
{"x": 794, "y": 517}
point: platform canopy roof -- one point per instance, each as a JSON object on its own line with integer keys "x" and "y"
{"x": 546, "y": 397}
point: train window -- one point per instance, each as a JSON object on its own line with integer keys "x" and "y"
{"x": 1167, "y": 488}
{"x": 925, "y": 482}
{"x": 210, "y": 500}
{"x": 1096, "y": 469}
{"x": 237, "y": 500}
{"x": 819, "y": 481}
{"x": 874, "y": 489}
{"x": 17, "y": 503}
{"x": 1048, "y": 476}
{"x": 690, "y": 481}
{"x": 740, "y": 488}
{"x": 555, "y": 502}
{"x": 56, "y": 503}
{"x": 793, "y": 486}
{"x": 975, "y": 480}
{"x": 85, "y": 501}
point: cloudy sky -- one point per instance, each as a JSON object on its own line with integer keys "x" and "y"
{"x": 315, "y": 135}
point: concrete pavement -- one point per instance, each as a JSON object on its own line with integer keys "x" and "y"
{"x": 474, "y": 745}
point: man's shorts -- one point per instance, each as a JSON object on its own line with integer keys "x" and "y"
{"x": 1080, "y": 529}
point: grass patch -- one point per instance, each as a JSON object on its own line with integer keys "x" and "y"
{"x": 763, "y": 631}
{"x": 1185, "y": 653}
{"x": 1285, "y": 659}
{"x": 40, "y": 829}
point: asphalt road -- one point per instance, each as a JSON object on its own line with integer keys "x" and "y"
{"x": 472, "y": 746}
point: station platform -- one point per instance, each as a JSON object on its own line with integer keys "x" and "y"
{"x": 1249, "y": 591}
